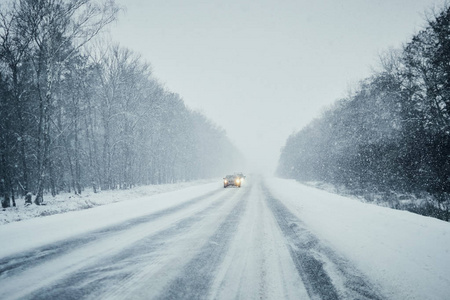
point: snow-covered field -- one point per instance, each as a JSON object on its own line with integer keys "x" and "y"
{"x": 270, "y": 239}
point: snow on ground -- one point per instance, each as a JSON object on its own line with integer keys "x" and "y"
{"x": 66, "y": 202}
{"x": 258, "y": 258}
{"x": 408, "y": 255}
{"x": 124, "y": 205}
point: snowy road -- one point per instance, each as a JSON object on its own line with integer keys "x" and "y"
{"x": 201, "y": 243}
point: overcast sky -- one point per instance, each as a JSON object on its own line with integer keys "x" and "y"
{"x": 262, "y": 69}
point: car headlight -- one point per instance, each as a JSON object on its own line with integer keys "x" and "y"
{"x": 237, "y": 180}
{"x": 225, "y": 181}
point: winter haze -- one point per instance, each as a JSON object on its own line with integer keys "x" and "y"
{"x": 124, "y": 132}
{"x": 264, "y": 69}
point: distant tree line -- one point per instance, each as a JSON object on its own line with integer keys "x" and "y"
{"x": 392, "y": 134}
{"x": 73, "y": 116}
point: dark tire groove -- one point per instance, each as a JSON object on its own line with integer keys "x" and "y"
{"x": 93, "y": 281}
{"x": 195, "y": 280}
{"x": 14, "y": 264}
{"x": 304, "y": 247}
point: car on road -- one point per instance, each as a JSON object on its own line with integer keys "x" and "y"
{"x": 233, "y": 180}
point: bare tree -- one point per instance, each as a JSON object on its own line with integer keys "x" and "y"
{"x": 57, "y": 29}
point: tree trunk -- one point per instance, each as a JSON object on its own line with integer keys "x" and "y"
{"x": 77, "y": 180}
{"x": 4, "y": 181}
{"x": 21, "y": 126}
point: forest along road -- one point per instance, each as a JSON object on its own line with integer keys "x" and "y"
{"x": 223, "y": 244}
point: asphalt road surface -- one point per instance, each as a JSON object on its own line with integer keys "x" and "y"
{"x": 233, "y": 243}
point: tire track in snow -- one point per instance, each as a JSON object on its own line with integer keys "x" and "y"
{"x": 324, "y": 273}
{"x": 112, "y": 276}
{"x": 257, "y": 264}
{"x": 15, "y": 268}
{"x": 197, "y": 276}
{"x": 11, "y": 265}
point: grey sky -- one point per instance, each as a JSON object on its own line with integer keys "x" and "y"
{"x": 263, "y": 69}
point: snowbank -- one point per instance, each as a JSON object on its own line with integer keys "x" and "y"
{"x": 407, "y": 253}
{"x": 69, "y": 202}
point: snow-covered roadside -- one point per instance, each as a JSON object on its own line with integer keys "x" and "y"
{"x": 407, "y": 254}
{"x": 35, "y": 232}
{"x": 69, "y": 202}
